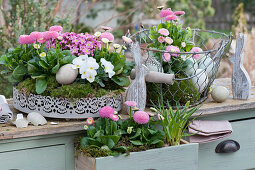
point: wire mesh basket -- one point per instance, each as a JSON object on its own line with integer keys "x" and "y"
{"x": 193, "y": 77}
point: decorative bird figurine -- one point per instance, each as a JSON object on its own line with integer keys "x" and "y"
{"x": 137, "y": 89}
{"x": 241, "y": 83}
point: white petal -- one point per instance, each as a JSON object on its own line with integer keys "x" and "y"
{"x": 112, "y": 73}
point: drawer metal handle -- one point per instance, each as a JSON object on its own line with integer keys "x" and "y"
{"x": 227, "y": 146}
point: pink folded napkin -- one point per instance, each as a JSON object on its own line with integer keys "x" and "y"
{"x": 208, "y": 131}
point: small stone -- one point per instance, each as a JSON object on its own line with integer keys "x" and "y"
{"x": 66, "y": 74}
{"x": 220, "y": 94}
{"x": 53, "y": 123}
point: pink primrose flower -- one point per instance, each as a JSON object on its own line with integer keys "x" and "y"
{"x": 114, "y": 117}
{"x": 167, "y": 12}
{"x": 130, "y": 103}
{"x": 106, "y": 111}
{"x": 36, "y": 35}
{"x": 196, "y": 49}
{"x": 172, "y": 48}
{"x": 26, "y": 39}
{"x": 89, "y": 121}
{"x": 141, "y": 117}
{"x": 56, "y": 28}
{"x": 171, "y": 17}
{"x": 179, "y": 13}
{"x": 161, "y": 39}
{"x": 163, "y": 31}
{"x": 108, "y": 36}
{"x": 167, "y": 57}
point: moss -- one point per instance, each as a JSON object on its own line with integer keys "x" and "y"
{"x": 71, "y": 91}
{"x": 179, "y": 92}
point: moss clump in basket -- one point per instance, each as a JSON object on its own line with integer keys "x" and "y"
{"x": 179, "y": 92}
{"x": 75, "y": 90}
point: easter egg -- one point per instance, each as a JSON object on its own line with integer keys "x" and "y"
{"x": 207, "y": 63}
{"x": 66, "y": 74}
{"x": 220, "y": 94}
{"x": 200, "y": 80}
{"x": 192, "y": 66}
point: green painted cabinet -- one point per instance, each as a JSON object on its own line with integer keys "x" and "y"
{"x": 47, "y": 152}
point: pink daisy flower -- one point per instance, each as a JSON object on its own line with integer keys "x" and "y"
{"x": 130, "y": 103}
{"x": 56, "y": 28}
{"x": 26, "y": 39}
{"x": 50, "y": 35}
{"x": 141, "y": 117}
{"x": 163, "y": 31}
{"x": 179, "y": 13}
{"x": 169, "y": 40}
{"x": 167, "y": 12}
{"x": 171, "y": 17}
{"x": 89, "y": 121}
{"x": 167, "y": 57}
{"x": 172, "y": 48}
{"x": 36, "y": 35}
{"x": 196, "y": 49}
{"x": 106, "y": 111}
{"x": 106, "y": 28}
{"x": 161, "y": 39}
{"x": 107, "y": 35}
{"x": 114, "y": 117}
{"x": 41, "y": 40}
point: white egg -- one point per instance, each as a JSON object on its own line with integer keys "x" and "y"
{"x": 36, "y": 119}
{"x": 66, "y": 74}
{"x": 192, "y": 66}
{"x": 220, "y": 94}
{"x": 207, "y": 63}
{"x": 200, "y": 80}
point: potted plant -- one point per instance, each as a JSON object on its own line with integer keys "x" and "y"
{"x": 67, "y": 75}
{"x": 137, "y": 143}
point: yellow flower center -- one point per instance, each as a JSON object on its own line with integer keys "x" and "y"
{"x": 91, "y": 68}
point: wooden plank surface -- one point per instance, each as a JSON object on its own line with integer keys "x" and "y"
{"x": 209, "y": 108}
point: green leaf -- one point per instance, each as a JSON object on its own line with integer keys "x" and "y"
{"x": 121, "y": 81}
{"x": 44, "y": 64}
{"x": 55, "y": 69}
{"x": 121, "y": 149}
{"x": 84, "y": 142}
{"x": 138, "y": 133}
{"x": 110, "y": 143}
{"x": 5, "y": 71}
{"x": 41, "y": 85}
{"x": 19, "y": 72}
{"x": 136, "y": 142}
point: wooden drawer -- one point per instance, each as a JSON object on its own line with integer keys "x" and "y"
{"x": 43, "y": 158}
{"x": 244, "y": 134}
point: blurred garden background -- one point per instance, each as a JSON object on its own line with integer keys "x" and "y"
{"x": 22, "y": 17}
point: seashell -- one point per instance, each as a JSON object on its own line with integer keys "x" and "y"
{"x": 200, "y": 80}
{"x": 20, "y": 121}
{"x": 66, "y": 74}
{"x": 192, "y": 66}
{"x": 207, "y": 63}
{"x": 36, "y": 119}
{"x": 220, "y": 94}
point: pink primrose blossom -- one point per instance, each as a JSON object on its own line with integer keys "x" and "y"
{"x": 163, "y": 31}
{"x": 130, "y": 103}
{"x": 36, "y": 35}
{"x": 171, "y": 17}
{"x": 106, "y": 111}
{"x": 141, "y": 117}
{"x": 166, "y": 12}
{"x": 179, "y": 13}
{"x": 196, "y": 49}
{"x": 89, "y": 121}
{"x": 114, "y": 117}
{"x": 161, "y": 39}
{"x": 167, "y": 57}
{"x": 108, "y": 36}
{"x": 26, "y": 39}
{"x": 172, "y": 48}
{"x": 56, "y": 28}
